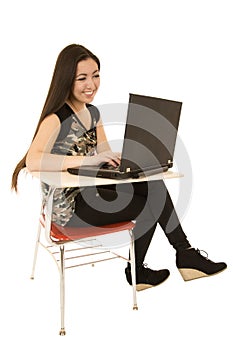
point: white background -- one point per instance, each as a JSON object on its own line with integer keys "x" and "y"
{"x": 179, "y": 50}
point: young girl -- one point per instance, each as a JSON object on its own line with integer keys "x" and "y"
{"x": 70, "y": 133}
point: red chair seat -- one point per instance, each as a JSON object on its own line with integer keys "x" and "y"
{"x": 66, "y": 234}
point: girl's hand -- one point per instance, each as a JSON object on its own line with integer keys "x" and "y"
{"x": 112, "y": 158}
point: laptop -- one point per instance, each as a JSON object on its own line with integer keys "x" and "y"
{"x": 149, "y": 140}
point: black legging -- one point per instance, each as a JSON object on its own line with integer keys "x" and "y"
{"x": 148, "y": 203}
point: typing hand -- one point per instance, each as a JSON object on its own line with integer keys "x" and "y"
{"x": 109, "y": 157}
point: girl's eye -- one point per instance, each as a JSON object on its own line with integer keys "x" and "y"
{"x": 80, "y": 79}
{"x": 84, "y": 78}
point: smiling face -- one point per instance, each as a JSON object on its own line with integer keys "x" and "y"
{"x": 86, "y": 83}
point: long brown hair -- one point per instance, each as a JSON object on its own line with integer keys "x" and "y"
{"x": 61, "y": 84}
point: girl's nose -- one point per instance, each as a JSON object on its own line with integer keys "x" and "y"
{"x": 90, "y": 84}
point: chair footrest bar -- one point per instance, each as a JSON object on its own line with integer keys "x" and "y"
{"x": 77, "y": 249}
{"x": 91, "y": 262}
{"x": 85, "y": 255}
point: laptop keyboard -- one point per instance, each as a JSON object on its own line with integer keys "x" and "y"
{"x": 110, "y": 167}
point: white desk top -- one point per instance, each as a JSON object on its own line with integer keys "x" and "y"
{"x": 65, "y": 179}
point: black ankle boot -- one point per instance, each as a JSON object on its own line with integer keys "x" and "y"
{"x": 192, "y": 264}
{"x": 145, "y": 277}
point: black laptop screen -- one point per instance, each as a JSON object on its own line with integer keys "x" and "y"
{"x": 151, "y": 132}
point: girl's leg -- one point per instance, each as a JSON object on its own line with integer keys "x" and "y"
{"x": 102, "y": 205}
{"x": 190, "y": 262}
{"x": 110, "y": 204}
{"x": 147, "y": 203}
{"x": 96, "y": 207}
{"x": 159, "y": 204}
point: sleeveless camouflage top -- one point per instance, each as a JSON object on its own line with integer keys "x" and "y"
{"x": 74, "y": 140}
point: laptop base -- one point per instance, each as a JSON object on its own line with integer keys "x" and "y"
{"x": 111, "y": 174}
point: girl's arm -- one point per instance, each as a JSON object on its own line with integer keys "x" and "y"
{"x": 39, "y": 157}
{"x": 103, "y": 146}
{"x": 102, "y": 142}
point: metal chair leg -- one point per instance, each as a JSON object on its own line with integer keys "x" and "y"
{"x": 133, "y": 270}
{"x": 36, "y": 251}
{"x": 62, "y": 291}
